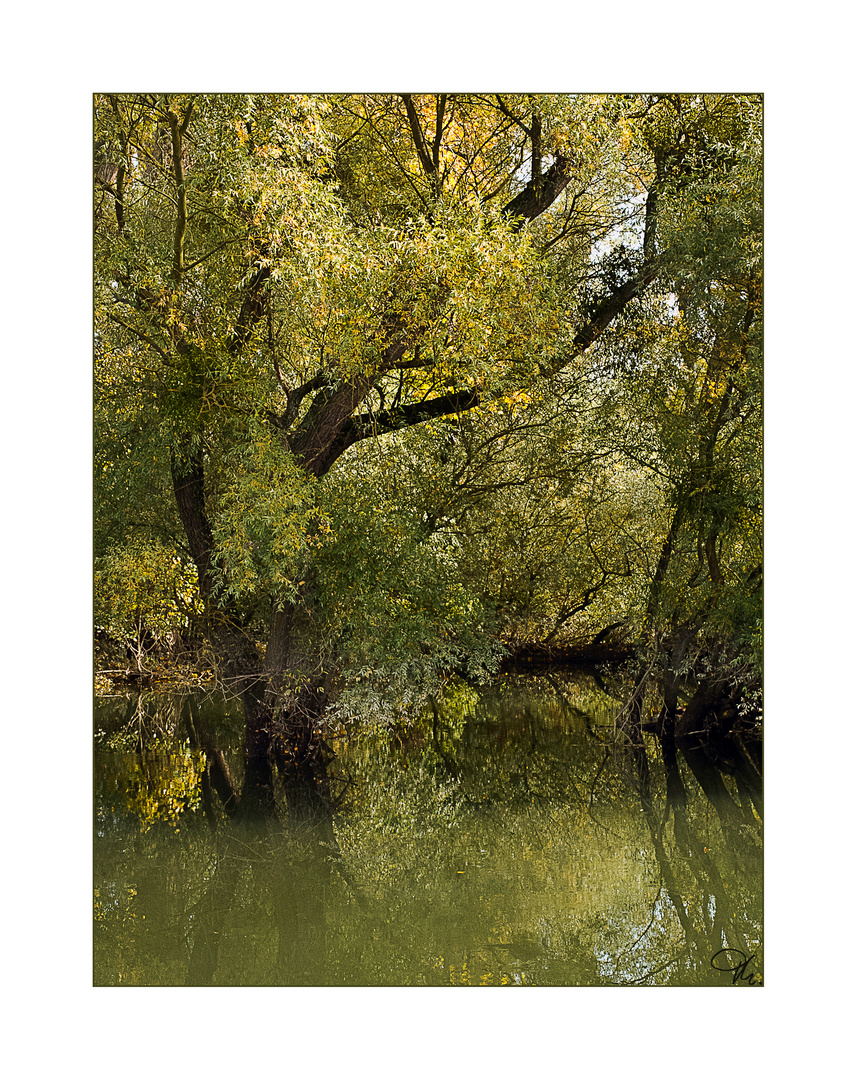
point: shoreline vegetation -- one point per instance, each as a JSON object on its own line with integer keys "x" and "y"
{"x": 191, "y": 668}
{"x": 163, "y": 667}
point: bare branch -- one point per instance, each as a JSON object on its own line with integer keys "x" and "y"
{"x": 430, "y": 161}
{"x": 140, "y": 334}
{"x": 417, "y": 132}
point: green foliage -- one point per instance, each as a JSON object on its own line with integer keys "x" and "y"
{"x": 265, "y": 525}
{"x": 545, "y": 526}
{"x": 391, "y": 603}
{"x": 143, "y": 585}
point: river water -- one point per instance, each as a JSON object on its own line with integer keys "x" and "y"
{"x": 500, "y": 841}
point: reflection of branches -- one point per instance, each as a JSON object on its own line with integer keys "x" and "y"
{"x": 720, "y": 927}
{"x": 668, "y": 879}
{"x": 655, "y": 971}
{"x": 590, "y": 811}
{"x": 209, "y": 918}
{"x": 650, "y": 922}
{"x": 707, "y": 874}
{"x": 627, "y": 719}
{"x": 597, "y": 777}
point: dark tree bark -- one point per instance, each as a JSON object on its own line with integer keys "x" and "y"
{"x": 540, "y": 193}
{"x": 239, "y": 660}
{"x": 676, "y": 793}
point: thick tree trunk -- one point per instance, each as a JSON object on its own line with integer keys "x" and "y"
{"x": 283, "y": 709}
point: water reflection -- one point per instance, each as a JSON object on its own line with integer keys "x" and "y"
{"x": 507, "y": 839}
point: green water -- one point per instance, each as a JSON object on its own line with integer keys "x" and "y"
{"x": 502, "y": 840}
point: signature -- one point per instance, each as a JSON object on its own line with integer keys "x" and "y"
{"x": 725, "y": 960}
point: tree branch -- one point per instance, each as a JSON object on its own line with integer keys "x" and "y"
{"x": 252, "y": 310}
{"x": 540, "y": 192}
{"x": 214, "y": 250}
{"x": 430, "y": 161}
{"x": 438, "y": 133}
{"x": 120, "y": 171}
{"x": 188, "y": 485}
{"x": 621, "y": 296}
{"x": 367, "y": 425}
{"x": 177, "y": 131}
{"x": 417, "y": 133}
{"x": 139, "y": 334}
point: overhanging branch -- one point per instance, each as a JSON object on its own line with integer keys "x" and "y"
{"x": 367, "y": 425}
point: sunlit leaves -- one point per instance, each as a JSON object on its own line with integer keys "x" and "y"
{"x": 143, "y": 584}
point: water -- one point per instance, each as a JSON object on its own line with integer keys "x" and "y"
{"x": 500, "y": 841}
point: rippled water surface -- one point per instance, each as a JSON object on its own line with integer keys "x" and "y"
{"x": 502, "y": 840}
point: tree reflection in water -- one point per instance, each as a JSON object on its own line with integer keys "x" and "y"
{"x": 506, "y": 839}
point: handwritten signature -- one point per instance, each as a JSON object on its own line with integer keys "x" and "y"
{"x": 724, "y": 960}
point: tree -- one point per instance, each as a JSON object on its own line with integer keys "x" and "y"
{"x": 281, "y": 278}
{"x": 692, "y": 367}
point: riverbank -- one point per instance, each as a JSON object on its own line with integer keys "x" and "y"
{"x": 116, "y": 666}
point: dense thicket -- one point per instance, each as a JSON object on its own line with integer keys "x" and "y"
{"x": 385, "y": 383}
